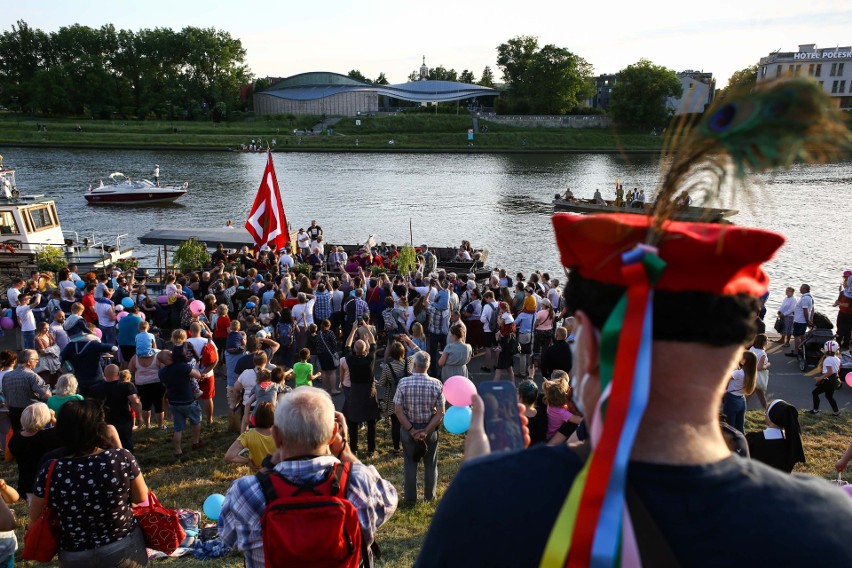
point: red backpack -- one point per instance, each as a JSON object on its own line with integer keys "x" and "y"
{"x": 310, "y": 525}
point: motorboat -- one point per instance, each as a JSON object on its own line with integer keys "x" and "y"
{"x": 30, "y": 223}
{"x": 124, "y": 191}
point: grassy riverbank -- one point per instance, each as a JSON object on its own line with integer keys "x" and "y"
{"x": 409, "y": 132}
{"x": 186, "y": 483}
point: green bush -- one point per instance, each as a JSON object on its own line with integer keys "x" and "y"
{"x": 51, "y": 259}
{"x": 190, "y": 255}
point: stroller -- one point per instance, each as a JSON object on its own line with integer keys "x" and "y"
{"x": 810, "y": 352}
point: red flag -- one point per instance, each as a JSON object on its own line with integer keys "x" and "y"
{"x": 266, "y": 222}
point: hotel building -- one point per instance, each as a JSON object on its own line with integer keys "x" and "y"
{"x": 832, "y": 68}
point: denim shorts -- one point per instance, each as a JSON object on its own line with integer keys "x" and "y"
{"x": 183, "y": 412}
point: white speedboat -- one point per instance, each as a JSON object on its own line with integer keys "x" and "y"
{"x": 124, "y": 191}
{"x": 30, "y": 223}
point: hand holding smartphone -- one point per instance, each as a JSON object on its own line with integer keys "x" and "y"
{"x": 502, "y": 421}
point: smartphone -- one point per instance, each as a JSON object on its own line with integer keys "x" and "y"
{"x": 502, "y": 421}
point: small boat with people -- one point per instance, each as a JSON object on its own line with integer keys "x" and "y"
{"x": 124, "y": 191}
{"x": 29, "y": 226}
{"x": 684, "y": 212}
{"x": 463, "y": 259}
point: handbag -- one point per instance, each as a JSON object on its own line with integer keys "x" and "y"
{"x": 162, "y": 526}
{"x": 779, "y": 325}
{"x": 41, "y": 541}
{"x": 335, "y": 356}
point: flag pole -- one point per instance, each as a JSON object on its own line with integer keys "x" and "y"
{"x": 410, "y": 232}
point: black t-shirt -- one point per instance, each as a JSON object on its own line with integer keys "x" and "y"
{"x": 361, "y": 367}
{"x": 114, "y": 394}
{"x": 175, "y": 378}
{"x": 710, "y": 515}
{"x": 28, "y": 451}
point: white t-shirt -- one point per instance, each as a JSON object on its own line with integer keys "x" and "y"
{"x": 103, "y": 314}
{"x": 303, "y": 240}
{"x": 248, "y": 379}
{"x": 286, "y": 261}
{"x": 25, "y": 315}
{"x": 12, "y": 295}
{"x": 73, "y": 276}
{"x": 788, "y": 306}
{"x": 554, "y": 296}
{"x": 831, "y": 364}
{"x": 198, "y": 344}
{"x": 485, "y": 317}
{"x": 308, "y": 309}
{"x": 735, "y": 385}
{"x": 804, "y": 302}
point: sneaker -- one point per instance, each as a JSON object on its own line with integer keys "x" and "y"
{"x": 814, "y": 411}
{"x": 836, "y": 413}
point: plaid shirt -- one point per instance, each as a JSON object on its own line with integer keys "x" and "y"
{"x": 322, "y": 306}
{"x": 439, "y": 320}
{"x": 239, "y": 521}
{"x": 22, "y": 387}
{"x": 361, "y": 308}
{"x": 419, "y": 395}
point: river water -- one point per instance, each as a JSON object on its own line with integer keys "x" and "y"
{"x": 500, "y": 202}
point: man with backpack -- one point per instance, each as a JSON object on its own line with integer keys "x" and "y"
{"x": 293, "y": 512}
{"x": 488, "y": 317}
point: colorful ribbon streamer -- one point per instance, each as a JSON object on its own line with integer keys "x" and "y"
{"x": 604, "y": 538}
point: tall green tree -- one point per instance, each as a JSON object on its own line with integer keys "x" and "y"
{"x": 358, "y": 76}
{"x": 467, "y": 77}
{"x": 440, "y": 73}
{"x": 742, "y": 79}
{"x": 487, "y": 79}
{"x": 107, "y": 72}
{"x": 381, "y": 79}
{"x": 546, "y": 80}
{"x": 640, "y": 92}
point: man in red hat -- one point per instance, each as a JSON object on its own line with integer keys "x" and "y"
{"x": 659, "y": 330}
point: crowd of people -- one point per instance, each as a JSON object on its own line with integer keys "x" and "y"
{"x": 106, "y": 354}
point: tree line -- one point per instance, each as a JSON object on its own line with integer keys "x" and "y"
{"x": 201, "y": 73}
{"x": 109, "y": 73}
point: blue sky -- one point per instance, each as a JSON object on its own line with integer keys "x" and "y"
{"x": 288, "y": 37}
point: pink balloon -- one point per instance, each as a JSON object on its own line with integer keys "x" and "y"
{"x": 196, "y": 307}
{"x": 848, "y": 376}
{"x": 120, "y": 315}
{"x": 459, "y": 390}
{"x": 7, "y": 323}
{"x": 163, "y": 299}
{"x": 99, "y": 333}
{"x": 141, "y": 315}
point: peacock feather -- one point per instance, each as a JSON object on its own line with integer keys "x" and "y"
{"x": 754, "y": 130}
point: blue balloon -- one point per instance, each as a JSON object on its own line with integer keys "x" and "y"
{"x": 127, "y": 302}
{"x": 213, "y": 506}
{"x": 457, "y": 419}
{"x": 250, "y": 304}
{"x": 79, "y": 284}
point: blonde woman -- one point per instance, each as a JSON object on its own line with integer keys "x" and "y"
{"x": 32, "y": 442}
